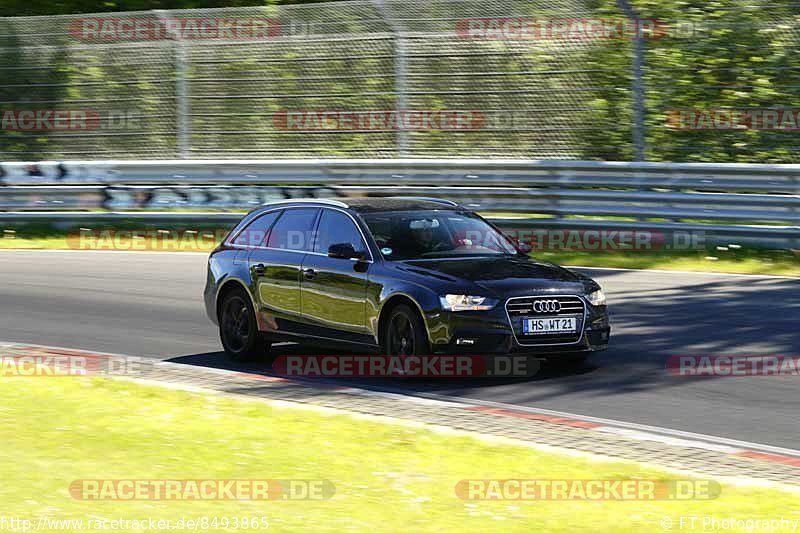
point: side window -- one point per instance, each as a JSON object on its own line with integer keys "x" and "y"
{"x": 255, "y": 233}
{"x": 294, "y": 230}
{"x": 336, "y": 228}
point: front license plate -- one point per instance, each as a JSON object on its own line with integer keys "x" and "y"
{"x": 536, "y": 326}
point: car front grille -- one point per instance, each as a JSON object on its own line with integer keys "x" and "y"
{"x": 519, "y": 309}
{"x": 570, "y": 305}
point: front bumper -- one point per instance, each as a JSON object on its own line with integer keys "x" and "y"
{"x": 492, "y": 333}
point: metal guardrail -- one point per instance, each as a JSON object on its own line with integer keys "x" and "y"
{"x": 760, "y": 202}
{"x": 736, "y": 176}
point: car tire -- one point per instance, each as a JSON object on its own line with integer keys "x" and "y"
{"x": 404, "y": 333}
{"x": 238, "y": 328}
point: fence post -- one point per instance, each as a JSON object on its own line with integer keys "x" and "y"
{"x": 183, "y": 120}
{"x": 637, "y": 67}
{"x": 400, "y": 74}
{"x": 183, "y": 130}
{"x": 182, "y": 108}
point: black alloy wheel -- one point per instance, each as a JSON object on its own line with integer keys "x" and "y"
{"x": 238, "y": 328}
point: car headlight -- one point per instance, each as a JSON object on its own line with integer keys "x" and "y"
{"x": 596, "y": 298}
{"x": 463, "y": 302}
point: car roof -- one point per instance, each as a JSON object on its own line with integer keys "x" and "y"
{"x": 371, "y": 205}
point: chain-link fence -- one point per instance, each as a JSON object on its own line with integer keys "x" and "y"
{"x": 724, "y": 85}
{"x": 401, "y": 78}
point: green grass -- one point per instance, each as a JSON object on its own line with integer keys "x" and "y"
{"x": 387, "y": 477}
{"x": 45, "y": 237}
{"x": 743, "y": 260}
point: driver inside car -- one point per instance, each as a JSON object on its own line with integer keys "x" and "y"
{"x": 427, "y": 237}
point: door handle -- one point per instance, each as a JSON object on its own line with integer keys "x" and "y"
{"x": 309, "y": 273}
{"x": 259, "y": 269}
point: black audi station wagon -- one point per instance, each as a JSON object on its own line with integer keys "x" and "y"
{"x": 400, "y": 276}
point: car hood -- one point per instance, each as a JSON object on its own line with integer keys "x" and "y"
{"x": 504, "y": 276}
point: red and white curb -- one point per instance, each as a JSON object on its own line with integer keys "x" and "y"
{"x": 736, "y": 448}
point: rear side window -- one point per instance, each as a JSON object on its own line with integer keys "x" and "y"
{"x": 256, "y": 232}
{"x": 336, "y": 228}
{"x": 294, "y": 230}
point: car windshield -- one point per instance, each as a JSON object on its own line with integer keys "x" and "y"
{"x": 434, "y": 234}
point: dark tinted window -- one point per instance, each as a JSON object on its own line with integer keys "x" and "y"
{"x": 432, "y": 234}
{"x": 254, "y": 234}
{"x": 294, "y": 230}
{"x": 336, "y": 227}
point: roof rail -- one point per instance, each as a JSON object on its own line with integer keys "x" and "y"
{"x": 442, "y": 201}
{"x": 327, "y": 201}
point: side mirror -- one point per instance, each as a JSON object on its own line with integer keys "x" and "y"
{"x": 344, "y": 250}
{"x": 523, "y": 247}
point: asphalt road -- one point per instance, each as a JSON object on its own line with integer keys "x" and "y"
{"x": 150, "y": 305}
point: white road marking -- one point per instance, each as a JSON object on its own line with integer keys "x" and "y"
{"x": 656, "y": 431}
{"x": 672, "y": 441}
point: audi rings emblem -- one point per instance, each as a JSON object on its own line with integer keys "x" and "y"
{"x": 546, "y": 306}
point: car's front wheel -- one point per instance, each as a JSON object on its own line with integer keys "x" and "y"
{"x": 405, "y": 333}
{"x": 238, "y": 329}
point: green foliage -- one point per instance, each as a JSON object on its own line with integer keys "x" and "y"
{"x": 723, "y": 55}
{"x": 540, "y": 98}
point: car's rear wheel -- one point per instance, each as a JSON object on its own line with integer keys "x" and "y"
{"x": 238, "y": 329}
{"x": 404, "y": 333}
